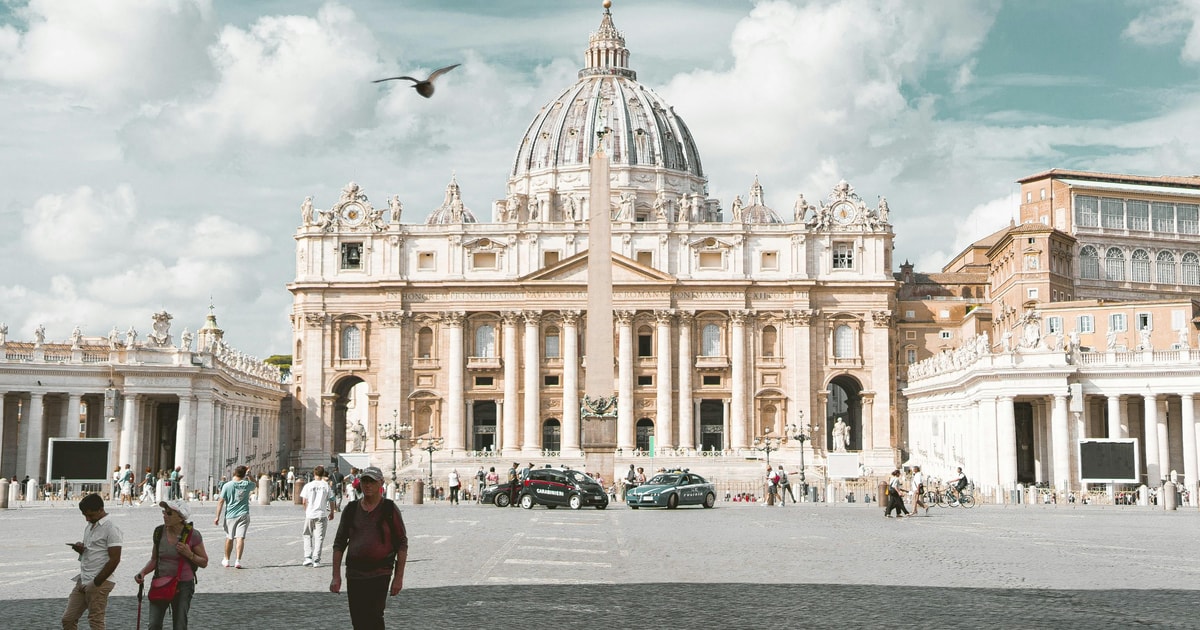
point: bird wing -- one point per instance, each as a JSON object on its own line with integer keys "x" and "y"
{"x": 440, "y": 71}
{"x": 394, "y": 79}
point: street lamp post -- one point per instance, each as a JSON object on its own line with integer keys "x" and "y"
{"x": 430, "y": 445}
{"x": 802, "y": 433}
{"x": 395, "y": 432}
{"x": 767, "y": 443}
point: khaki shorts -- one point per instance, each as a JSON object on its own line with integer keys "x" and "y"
{"x": 236, "y": 527}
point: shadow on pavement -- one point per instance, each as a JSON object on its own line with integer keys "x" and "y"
{"x": 654, "y": 606}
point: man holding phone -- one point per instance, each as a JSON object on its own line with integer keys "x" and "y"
{"x": 99, "y": 554}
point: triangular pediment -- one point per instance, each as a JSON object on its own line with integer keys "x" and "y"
{"x": 574, "y": 270}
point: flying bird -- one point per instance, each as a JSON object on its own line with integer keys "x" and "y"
{"x": 424, "y": 88}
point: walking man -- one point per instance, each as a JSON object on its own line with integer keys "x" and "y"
{"x": 99, "y": 554}
{"x": 372, "y": 539}
{"x": 318, "y": 511}
{"x": 480, "y": 478}
{"x": 514, "y": 485}
{"x": 785, "y": 486}
{"x": 127, "y": 486}
{"x": 234, "y": 506}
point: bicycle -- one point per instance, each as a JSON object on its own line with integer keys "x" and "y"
{"x": 964, "y": 497}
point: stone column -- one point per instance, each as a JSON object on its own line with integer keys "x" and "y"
{"x": 129, "y": 429}
{"x": 1164, "y": 444}
{"x": 70, "y": 425}
{"x": 35, "y": 437}
{"x": 454, "y": 385}
{"x": 1116, "y": 425}
{"x": 663, "y": 415}
{"x": 1187, "y": 415}
{"x": 532, "y": 445}
{"x": 868, "y": 419}
{"x": 184, "y": 425}
{"x": 626, "y": 440}
{"x": 687, "y": 426}
{"x": 1006, "y": 443}
{"x": 1150, "y": 431}
{"x": 1061, "y": 442}
{"x": 737, "y": 355}
{"x": 570, "y": 352}
{"x": 3, "y": 421}
{"x": 511, "y": 439}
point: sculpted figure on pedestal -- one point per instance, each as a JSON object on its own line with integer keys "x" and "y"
{"x": 76, "y": 337}
{"x": 39, "y": 335}
{"x": 841, "y": 435}
{"x": 3, "y": 333}
{"x": 306, "y": 211}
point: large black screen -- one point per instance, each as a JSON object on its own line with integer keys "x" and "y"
{"x": 79, "y": 459}
{"x": 1108, "y": 460}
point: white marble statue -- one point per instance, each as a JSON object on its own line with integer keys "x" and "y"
{"x": 1144, "y": 339}
{"x": 76, "y": 337}
{"x": 841, "y": 435}
{"x": 185, "y": 340}
{"x": 801, "y": 209}
{"x": 396, "y": 207}
{"x": 114, "y": 337}
{"x": 1110, "y": 340}
{"x": 39, "y": 335}
{"x": 3, "y": 333}
{"x": 359, "y": 433}
{"x": 883, "y": 212}
{"x": 736, "y": 209}
{"x": 306, "y": 211}
{"x": 131, "y": 336}
{"x": 1006, "y": 339}
{"x": 1183, "y": 338}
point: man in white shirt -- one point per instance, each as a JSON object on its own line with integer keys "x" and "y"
{"x": 99, "y": 554}
{"x": 318, "y": 497}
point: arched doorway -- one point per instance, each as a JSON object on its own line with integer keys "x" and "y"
{"x": 484, "y": 432}
{"x": 349, "y": 406}
{"x": 551, "y": 435}
{"x": 845, "y": 402}
{"x": 712, "y": 425}
{"x": 645, "y": 431}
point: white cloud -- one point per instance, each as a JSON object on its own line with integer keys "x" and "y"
{"x": 1167, "y": 22}
{"x": 79, "y": 226}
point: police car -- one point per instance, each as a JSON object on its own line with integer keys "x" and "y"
{"x": 671, "y": 490}
{"x": 553, "y": 487}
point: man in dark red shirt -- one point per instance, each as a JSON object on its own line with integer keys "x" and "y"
{"x": 372, "y": 539}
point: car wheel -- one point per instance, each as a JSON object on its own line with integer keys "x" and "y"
{"x": 575, "y": 502}
{"x": 527, "y": 501}
{"x": 672, "y": 501}
{"x": 501, "y": 500}
{"x": 710, "y": 500}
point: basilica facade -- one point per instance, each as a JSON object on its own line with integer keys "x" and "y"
{"x": 730, "y": 326}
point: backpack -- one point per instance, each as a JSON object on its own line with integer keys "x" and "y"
{"x": 775, "y": 479}
{"x": 962, "y": 484}
{"x": 480, "y": 475}
{"x": 387, "y": 505}
{"x": 184, "y": 535}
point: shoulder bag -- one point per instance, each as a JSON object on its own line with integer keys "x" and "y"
{"x": 163, "y": 588}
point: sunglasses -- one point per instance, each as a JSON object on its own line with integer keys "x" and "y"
{"x": 170, "y": 513}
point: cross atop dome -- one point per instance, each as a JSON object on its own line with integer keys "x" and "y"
{"x": 606, "y": 52}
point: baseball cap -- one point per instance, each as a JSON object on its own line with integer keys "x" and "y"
{"x": 372, "y": 472}
{"x": 177, "y": 506}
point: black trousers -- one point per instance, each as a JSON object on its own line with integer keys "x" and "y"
{"x": 894, "y": 502}
{"x": 368, "y": 598}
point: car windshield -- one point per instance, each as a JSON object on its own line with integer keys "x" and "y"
{"x": 669, "y": 479}
{"x": 580, "y": 478}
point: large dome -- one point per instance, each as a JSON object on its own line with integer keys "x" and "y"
{"x": 649, "y": 146}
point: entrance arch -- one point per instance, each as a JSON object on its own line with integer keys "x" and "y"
{"x": 845, "y": 402}
{"x": 349, "y": 404}
{"x": 645, "y": 430}
{"x": 484, "y": 433}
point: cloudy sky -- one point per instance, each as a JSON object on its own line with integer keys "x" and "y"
{"x": 154, "y": 153}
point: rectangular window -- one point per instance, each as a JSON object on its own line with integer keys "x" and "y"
{"x": 645, "y": 380}
{"x": 1177, "y": 320}
{"x": 944, "y": 314}
{"x": 645, "y": 345}
{"x": 1163, "y": 216}
{"x": 946, "y": 334}
{"x": 1145, "y": 321}
{"x": 910, "y": 334}
{"x": 352, "y": 255}
{"x": 843, "y": 255}
{"x": 1188, "y": 215}
{"x": 483, "y": 260}
{"x": 770, "y": 261}
{"x": 426, "y": 261}
{"x": 910, "y": 355}
{"x": 1053, "y": 325}
{"x": 484, "y": 381}
{"x": 253, "y": 430}
{"x": 1031, "y": 293}
{"x": 551, "y": 345}
{"x": 712, "y": 260}
{"x": 551, "y": 380}
{"x": 710, "y": 379}
{"x": 1087, "y": 211}
{"x": 1137, "y": 215}
{"x": 1116, "y": 322}
{"x": 645, "y": 258}
{"x": 1112, "y": 213}
{"x": 550, "y": 258}
{"x": 1085, "y": 324}
{"x": 910, "y": 314}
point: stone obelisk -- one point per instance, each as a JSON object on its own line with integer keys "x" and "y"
{"x": 597, "y": 418}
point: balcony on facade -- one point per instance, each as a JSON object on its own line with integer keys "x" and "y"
{"x": 712, "y": 363}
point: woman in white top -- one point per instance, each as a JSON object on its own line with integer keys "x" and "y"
{"x": 454, "y": 485}
{"x": 918, "y": 490}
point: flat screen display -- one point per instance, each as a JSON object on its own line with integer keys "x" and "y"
{"x": 1102, "y": 461}
{"x": 79, "y": 460}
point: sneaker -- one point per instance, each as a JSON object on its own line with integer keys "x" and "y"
{"x": 224, "y": 562}
{"x": 316, "y": 565}
{"x": 308, "y": 563}
{"x": 238, "y": 564}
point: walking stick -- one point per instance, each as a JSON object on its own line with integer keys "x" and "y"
{"x": 141, "y": 587}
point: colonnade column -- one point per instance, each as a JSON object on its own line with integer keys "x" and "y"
{"x": 570, "y": 351}
{"x": 737, "y": 420}
{"x": 533, "y": 372}
{"x": 1116, "y": 428}
{"x": 1006, "y": 443}
{"x": 626, "y": 440}
{"x": 1164, "y": 444}
{"x": 2, "y": 423}
{"x": 868, "y": 420}
{"x": 687, "y": 426}
{"x": 1150, "y": 431}
{"x": 70, "y": 424}
{"x": 1187, "y": 406}
{"x": 203, "y": 459}
{"x": 1060, "y": 442}
{"x": 663, "y": 429}
{"x": 35, "y": 436}
{"x": 454, "y": 415}
{"x": 184, "y": 423}
{"x": 510, "y": 439}
{"x": 129, "y": 429}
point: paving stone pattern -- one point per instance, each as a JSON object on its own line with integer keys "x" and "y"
{"x": 737, "y": 566}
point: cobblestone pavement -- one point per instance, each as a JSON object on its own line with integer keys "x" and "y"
{"x": 739, "y": 566}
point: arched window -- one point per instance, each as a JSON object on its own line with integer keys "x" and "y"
{"x": 351, "y": 342}
{"x": 485, "y": 341}
{"x": 1191, "y": 269}
{"x": 645, "y": 429}
{"x": 843, "y": 342}
{"x": 1165, "y": 268}
{"x": 551, "y": 435}
{"x": 299, "y": 351}
{"x": 1089, "y": 263}
{"x": 1140, "y": 266}
{"x": 1114, "y": 264}
{"x": 425, "y": 343}
{"x": 551, "y": 344}
{"x": 710, "y": 341}
{"x": 769, "y": 338}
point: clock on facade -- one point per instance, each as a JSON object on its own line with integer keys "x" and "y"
{"x": 352, "y": 214}
{"x": 843, "y": 213}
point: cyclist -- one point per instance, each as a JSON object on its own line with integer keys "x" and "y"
{"x": 956, "y": 485}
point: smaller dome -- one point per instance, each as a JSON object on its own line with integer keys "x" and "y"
{"x": 755, "y": 211}
{"x": 452, "y": 209}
